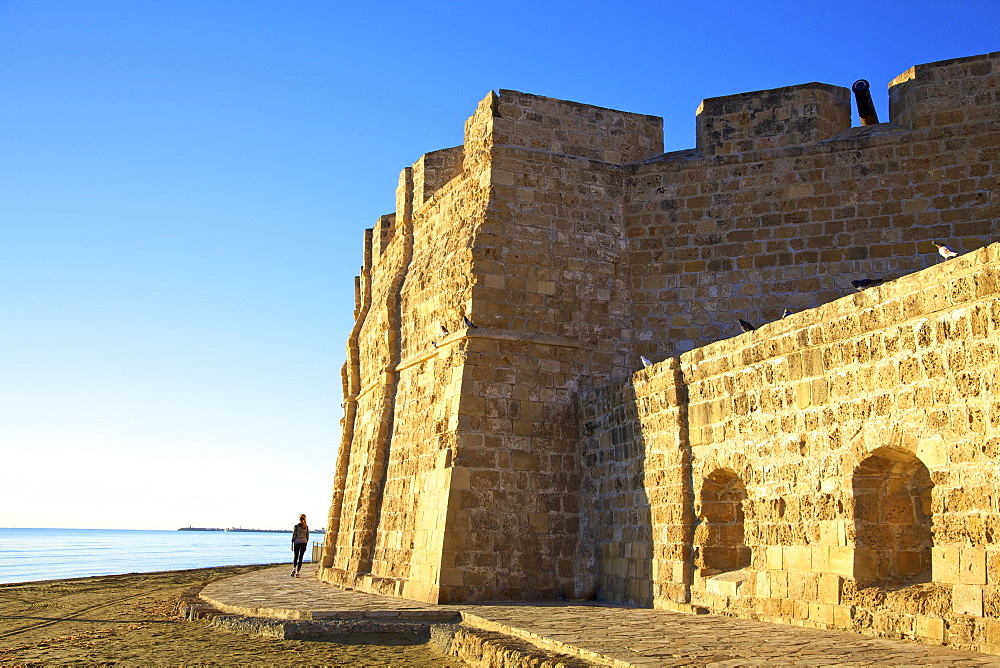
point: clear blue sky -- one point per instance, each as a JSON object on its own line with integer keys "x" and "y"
{"x": 184, "y": 186}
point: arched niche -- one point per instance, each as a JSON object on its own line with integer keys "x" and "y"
{"x": 719, "y": 539}
{"x": 892, "y": 518}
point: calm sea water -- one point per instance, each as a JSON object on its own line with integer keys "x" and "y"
{"x": 50, "y": 554}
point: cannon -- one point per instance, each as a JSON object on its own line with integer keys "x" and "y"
{"x": 863, "y": 98}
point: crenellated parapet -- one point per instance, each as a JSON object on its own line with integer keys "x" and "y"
{"x": 416, "y": 186}
{"x": 433, "y": 170}
{"x": 384, "y": 231}
{"x": 782, "y": 204}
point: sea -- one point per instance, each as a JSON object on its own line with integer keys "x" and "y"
{"x": 27, "y": 555}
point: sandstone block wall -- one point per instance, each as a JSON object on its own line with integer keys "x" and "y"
{"x": 773, "y": 212}
{"x": 391, "y": 492}
{"x": 634, "y": 546}
{"x": 522, "y": 457}
{"x": 840, "y": 464}
{"x": 768, "y": 119}
{"x": 459, "y": 477}
{"x": 548, "y": 303}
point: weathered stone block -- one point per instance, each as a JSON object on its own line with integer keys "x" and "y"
{"x": 992, "y": 632}
{"x": 868, "y": 564}
{"x": 822, "y": 614}
{"x": 992, "y": 566}
{"x": 967, "y": 600}
{"x": 842, "y": 616}
{"x": 930, "y": 629}
{"x": 538, "y": 522}
{"x": 726, "y": 584}
{"x": 933, "y": 452}
{"x": 972, "y": 566}
{"x": 524, "y": 461}
{"x": 830, "y": 588}
{"x": 797, "y": 558}
{"x": 820, "y": 559}
{"x": 945, "y": 565}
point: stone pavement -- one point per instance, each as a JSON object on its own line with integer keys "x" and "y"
{"x": 602, "y": 634}
{"x": 272, "y": 593}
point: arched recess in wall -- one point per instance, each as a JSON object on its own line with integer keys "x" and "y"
{"x": 892, "y": 518}
{"x": 718, "y": 538}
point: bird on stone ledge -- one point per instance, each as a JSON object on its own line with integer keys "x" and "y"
{"x": 469, "y": 323}
{"x": 787, "y": 312}
{"x": 444, "y": 331}
{"x": 945, "y": 251}
{"x": 645, "y": 361}
{"x": 862, "y": 283}
{"x": 745, "y": 326}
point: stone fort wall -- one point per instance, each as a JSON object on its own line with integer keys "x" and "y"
{"x": 525, "y": 458}
{"x": 837, "y": 468}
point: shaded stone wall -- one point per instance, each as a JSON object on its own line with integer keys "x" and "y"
{"x": 864, "y": 433}
{"x": 636, "y": 520}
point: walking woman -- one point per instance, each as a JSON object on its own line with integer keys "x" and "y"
{"x": 300, "y": 538}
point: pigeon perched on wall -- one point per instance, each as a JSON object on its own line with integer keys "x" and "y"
{"x": 787, "y": 312}
{"x": 645, "y": 361}
{"x": 444, "y": 331}
{"x": 945, "y": 252}
{"x": 862, "y": 283}
{"x": 469, "y": 323}
{"x": 744, "y": 325}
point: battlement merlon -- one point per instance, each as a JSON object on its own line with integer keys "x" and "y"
{"x": 961, "y": 90}
{"x": 433, "y": 170}
{"x": 417, "y": 185}
{"x": 765, "y": 119}
{"x": 529, "y": 121}
{"x": 384, "y": 232}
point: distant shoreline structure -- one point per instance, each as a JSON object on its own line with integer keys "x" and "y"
{"x": 242, "y": 530}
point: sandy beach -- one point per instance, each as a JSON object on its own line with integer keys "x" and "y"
{"x": 130, "y": 619}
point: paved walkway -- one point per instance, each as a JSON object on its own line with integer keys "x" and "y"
{"x": 272, "y": 593}
{"x": 603, "y": 634}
